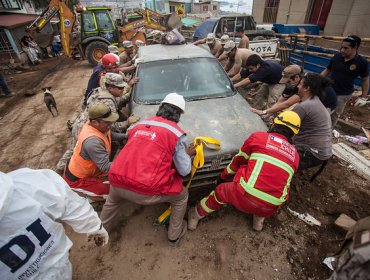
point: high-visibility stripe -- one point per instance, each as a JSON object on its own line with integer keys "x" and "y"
{"x": 229, "y": 170}
{"x": 249, "y": 186}
{"x": 214, "y": 195}
{"x": 204, "y": 206}
{"x": 242, "y": 154}
{"x": 260, "y": 194}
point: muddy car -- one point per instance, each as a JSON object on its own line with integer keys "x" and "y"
{"x": 213, "y": 107}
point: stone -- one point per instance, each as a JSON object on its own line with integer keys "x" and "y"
{"x": 345, "y": 222}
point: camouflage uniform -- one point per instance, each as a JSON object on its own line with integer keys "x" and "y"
{"x": 99, "y": 95}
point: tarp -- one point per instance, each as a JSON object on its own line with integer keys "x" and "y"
{"x": 189, "y": 21}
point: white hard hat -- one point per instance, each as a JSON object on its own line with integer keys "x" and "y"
{"x": 176, "y": 100}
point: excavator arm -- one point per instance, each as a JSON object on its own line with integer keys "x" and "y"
{"x": 153, "y": 20}
{"x": 67, "y": 20}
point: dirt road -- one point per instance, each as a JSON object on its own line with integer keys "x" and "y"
{"x": 224, "y": 246}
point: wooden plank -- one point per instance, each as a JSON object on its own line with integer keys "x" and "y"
{"x": 359, "y": 163}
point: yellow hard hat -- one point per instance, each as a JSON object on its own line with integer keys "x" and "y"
{"x": 290, "y": 119}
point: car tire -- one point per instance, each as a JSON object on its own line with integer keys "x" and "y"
{"x": 95, "y": 51}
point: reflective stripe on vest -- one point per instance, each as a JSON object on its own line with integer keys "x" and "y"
{"x": 249, "y": 186}
{"x": 160, "y": 124}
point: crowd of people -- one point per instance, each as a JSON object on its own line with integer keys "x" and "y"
{"x": 303, "y": 109}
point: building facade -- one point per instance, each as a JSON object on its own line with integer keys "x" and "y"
{"x": 335, "y": 17}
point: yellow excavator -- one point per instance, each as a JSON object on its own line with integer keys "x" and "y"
{"x": 90, "y": 30}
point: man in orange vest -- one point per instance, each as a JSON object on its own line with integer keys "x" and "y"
{"x": 261, "y": 171}
{"x": 90, "y": 161}
{"x": 149, "y": 169}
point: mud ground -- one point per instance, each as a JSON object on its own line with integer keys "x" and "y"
{"x": 224, "y": 246}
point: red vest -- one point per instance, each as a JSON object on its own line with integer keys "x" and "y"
{"x": 145, "y": 164}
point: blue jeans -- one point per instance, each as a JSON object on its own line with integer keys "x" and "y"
{"x": 4, "y": 85}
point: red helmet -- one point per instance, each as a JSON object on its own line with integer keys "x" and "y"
{"x": 110, "y": 60}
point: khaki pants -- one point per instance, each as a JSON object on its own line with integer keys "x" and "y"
{"x": 341, "y": 104}
{"x": 178, "y": 207}
{"x": 269, "y": 93}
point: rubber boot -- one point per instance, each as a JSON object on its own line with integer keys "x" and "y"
{"x": 193, "y": 218}
{"x": 258, "y": 223}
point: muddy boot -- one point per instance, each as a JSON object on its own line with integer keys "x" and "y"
{"x": 193, "y": 218}
{"x": 175, "y": 242}
{"x": 258, "y": 223}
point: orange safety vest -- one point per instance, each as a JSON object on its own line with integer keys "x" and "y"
{"x": 81, "y": 167}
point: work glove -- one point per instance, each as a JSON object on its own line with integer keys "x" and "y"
{"x": 100, "y": 236}
{"x": 361, "y": 101}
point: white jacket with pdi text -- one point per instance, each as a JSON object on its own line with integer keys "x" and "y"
{"x": 33, "y": 244}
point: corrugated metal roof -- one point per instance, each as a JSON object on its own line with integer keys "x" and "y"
{"x": 13, "y": 20}
{"x": 165, "y": 52}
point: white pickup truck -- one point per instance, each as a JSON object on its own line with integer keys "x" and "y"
{"x": 262, "y": 41}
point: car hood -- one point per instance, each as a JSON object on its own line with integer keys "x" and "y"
{"x": 227, "y": 119}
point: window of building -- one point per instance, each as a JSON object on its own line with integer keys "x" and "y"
{"x": 214, "y": 7}
{"x": 11, "y": 5}
{"x": 172, "y": 8}
{"x": 205, "y": 8}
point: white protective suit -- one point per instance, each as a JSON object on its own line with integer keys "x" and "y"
{"x": 33, "y": 244}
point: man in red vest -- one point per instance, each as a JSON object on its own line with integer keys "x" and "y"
{"x": 149, "y": 169}
{"x": 90, "y": 162}
{"x": 261, "y": 172}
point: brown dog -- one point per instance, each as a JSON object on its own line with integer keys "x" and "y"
{"x": 50, "y": 101}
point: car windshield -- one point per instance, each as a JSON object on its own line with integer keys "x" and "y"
{"x": 193, "y": 78}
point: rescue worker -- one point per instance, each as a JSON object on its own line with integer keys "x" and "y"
{"x": 213, "y": 44}
{"x": 291, "y": 77}
{"x": 149, "y": 168}
{"x": 244, "y": 40}
{"x": 115, "y": 94}
{"x": 313, "y": 141}
{"x": 127, "y": 55}
{"x": 109, "y": 63}
{"x": 90, "y": 162}
{"x": 344, "y": 68}
{"x": 33, "y": 205}
{"x": 261, "y": 172}
{"x": 266, "y": 71}
{"x": 237, "y": 58}
{"x": 223, "y": 40}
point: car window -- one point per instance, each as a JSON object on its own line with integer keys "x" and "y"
{"x": 195, "y": 78}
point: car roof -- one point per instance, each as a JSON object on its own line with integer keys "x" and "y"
{"x": 166, "y": 52}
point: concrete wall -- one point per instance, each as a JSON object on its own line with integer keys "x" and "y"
{"x": 359, "y": 21}
{"x": 349, "y": 17}
{"x": 292, "y": 11}
{"x": 338, "y": 16}
{"x": 258, "y": 9}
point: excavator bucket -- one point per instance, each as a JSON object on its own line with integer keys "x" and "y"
{"x": 172, "y": 21}
{"x": 43, "y": 39}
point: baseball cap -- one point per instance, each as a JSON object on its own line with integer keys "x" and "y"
{"x": 127, "y": 44}
{"x": 224, "y": 39}
{"x": 102, "y": 112}
{"x": 210, "y": 38}
{"x": 229, "y": 46}
{"x": 113, "y": 49}
{"x": 289, "y": 72}
{"x": 115, "y": 79}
